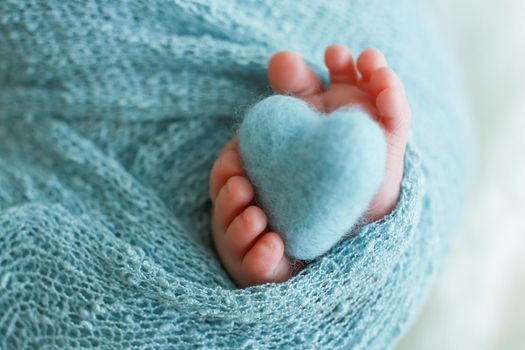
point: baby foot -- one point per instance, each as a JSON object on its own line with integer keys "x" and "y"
{"x": 250, "y": 254}
{"x": 372, "y": 85}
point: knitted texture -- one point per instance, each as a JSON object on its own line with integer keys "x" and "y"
{"x": 111, "y": 115}
{"x": 314, "y": 175}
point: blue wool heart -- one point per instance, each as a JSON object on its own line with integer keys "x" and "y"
{"x": 314, "y": 175}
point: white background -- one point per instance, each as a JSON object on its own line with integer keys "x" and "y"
{"x": 479, "y": 300}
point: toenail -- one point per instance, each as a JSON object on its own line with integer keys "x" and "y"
{"x": 228, "y": 186}
{"x": 268, "y": 244}
{"x": 220, "y": 161}
{"x": 245, "y": 217}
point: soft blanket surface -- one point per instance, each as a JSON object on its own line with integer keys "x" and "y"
{"x": 111, "y": 115}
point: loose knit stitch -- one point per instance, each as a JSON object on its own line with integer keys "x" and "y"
{"x": 111, "y": 115}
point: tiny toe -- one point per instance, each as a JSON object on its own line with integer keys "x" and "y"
{"x": 283, "y": 271}
{"x": 394, "y": 111}
{"x": 232, "y": 145}
{"x": 341, "y": 65}
{"x": 233, "y": 197}
{"x": 263, "y": 262}
{"x": 289, "y": 73}
{"x": 370, "y": 61}
{"x": 244, "y": 229}
{"x": 228, "y": 164}
{"x": 384, "y": 78}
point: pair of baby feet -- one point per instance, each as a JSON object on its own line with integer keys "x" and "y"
{"x": 252, "y": 254}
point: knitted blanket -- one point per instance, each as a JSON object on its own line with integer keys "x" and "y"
{"x": 111, "y": 115}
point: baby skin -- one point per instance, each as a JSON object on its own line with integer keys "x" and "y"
{"x": 250, "y": 252}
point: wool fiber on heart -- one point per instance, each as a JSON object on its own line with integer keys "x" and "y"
{"x": 315, "y": 175}
{"x": 111, "y": 116}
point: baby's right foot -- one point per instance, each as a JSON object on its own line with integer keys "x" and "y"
{"x": 250, "y": 254}
{"x": 370, "y": 84}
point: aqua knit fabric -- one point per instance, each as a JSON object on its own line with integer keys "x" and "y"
{"x": 111, "y": 115}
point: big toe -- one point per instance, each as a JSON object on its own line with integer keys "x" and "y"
{"x": 288, "y": 73}
{"x": 384, "y": 78}
{"x": 391, "y": 101}
{"x": 394, "y": 112}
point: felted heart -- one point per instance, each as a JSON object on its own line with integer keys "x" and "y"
{"x": 314, "y": 174}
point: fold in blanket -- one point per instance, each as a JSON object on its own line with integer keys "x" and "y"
{"x": 111, "y": 115}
